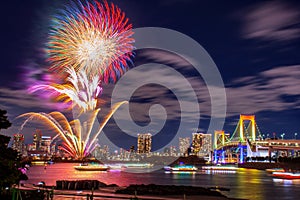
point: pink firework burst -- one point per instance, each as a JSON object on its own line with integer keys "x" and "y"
{"x": 94, "y": 37}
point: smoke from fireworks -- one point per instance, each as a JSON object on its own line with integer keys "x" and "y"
{"x": 93, "y": 37}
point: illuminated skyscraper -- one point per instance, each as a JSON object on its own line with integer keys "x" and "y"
{"x": 202, "y": 144}
{"x": 37, "y": 140}
{"x": 53, "y": 148}
{"x": 18, "y": 143}
{"x": 30, "y": 147}
{"x": 45, "y": 144}
{"x": 144, "y": 143}
{"x": 173, "y": 151}
{"x": 184, "y": 144}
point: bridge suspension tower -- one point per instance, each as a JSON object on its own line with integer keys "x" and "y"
{"x": 243, "y": 137}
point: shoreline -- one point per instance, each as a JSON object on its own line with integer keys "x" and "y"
{"x": 141, "y": 191}
{"x": 111, "y": 192}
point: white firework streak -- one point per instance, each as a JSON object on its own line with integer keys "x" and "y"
{"x": 81, "y": 91}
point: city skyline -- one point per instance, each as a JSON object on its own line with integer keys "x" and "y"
{"x": 39, "y": 141}
{"x": 259, "y": 66}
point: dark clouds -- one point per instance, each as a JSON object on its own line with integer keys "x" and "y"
{"x": 272, "y": 21}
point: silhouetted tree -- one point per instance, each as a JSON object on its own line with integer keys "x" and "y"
{"x": 9, "y": 173}
{"x": 4, "y": 123}
{"x": 9, "y": 159}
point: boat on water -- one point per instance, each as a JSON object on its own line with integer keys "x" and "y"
{"x": 286, "y": 175}
{"x": 181, "y": 168}
{"x": 42, "y": 162}
{"x": 220, "y": 167}
{"x": 89, "y": 167}
{"x": 138, "y": 165}
{"x": 275, "y": 170}
{"x": 116, "y": 167}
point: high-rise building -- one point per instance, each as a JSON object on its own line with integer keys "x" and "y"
{"x": 37, "y": 140}
{"x": 18, "y": 143}
{"x": 30, "y": 147}
{"x": 101, "y": 152}
{"x": 144, "y": 143}
{"x": 201, "y": 144}
{"x": 173, "y": 151}
{"x": 53, "y": 148}
{"x": 184, "y": 144}
{"x": 132, "y": 150}
{"x": 45, "y": 144}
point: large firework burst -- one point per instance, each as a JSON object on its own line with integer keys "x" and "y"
{"x": 95, "y": 37}
{"x": 77, "y": 136}
{"x": 77, "y": 91}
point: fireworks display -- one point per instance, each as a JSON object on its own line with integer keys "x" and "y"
{"x": 78, "y": 91}
{"x": 93, "y": 37}
{"x": 77, "y": 136}
{"x": 89, "y": 43}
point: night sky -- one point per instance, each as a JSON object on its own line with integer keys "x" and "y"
{"x": 255, "y": 46}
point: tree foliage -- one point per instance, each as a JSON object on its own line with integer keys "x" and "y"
{"x": 9, "y": 159}
{"x": 4, "y": 123}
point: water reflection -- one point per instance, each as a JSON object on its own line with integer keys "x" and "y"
{"x": 286, "y": 182}
{"x": 243, "y": 183}
{"x": 218, "y": 171}
{"x": 250, "y": 183}
{"x": 184, "y": 175}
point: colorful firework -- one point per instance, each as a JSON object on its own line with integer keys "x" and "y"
{"x": 94, "y": 37}
{"x": 77, "y": 136}
{"x": 78, "y": 90}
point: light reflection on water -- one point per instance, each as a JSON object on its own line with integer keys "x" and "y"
{"x": 286, "y": 182}
{"x": 245, "y": 183}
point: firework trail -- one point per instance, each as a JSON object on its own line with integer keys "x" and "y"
{"x": 94, "y": 37}
{"x": 89, "y": 43}
{"x": 78, "y": 90}
{"x": 75, "y": 134}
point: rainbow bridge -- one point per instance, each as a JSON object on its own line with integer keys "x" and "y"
{"x": 248, "y": 141}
